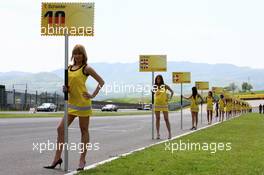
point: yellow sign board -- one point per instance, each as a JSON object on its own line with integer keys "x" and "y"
{"x": 227, "y": 95}
{"x": 73, "y": 19}
{"x": 202, "y": 85}
{"x": 181, "y": 77}
{"x": 217, "y": 90}
{"x": 152, "y": 63}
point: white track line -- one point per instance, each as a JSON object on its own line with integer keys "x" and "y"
{"x": 140, "y": 149}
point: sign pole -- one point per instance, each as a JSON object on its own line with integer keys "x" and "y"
{"x": 152, "y": 63}
{"x": 180, "y": 78}
{"x": 152, "y": 106}
{"x": 202, "y": 108}
{"x": 66, "y": 103}
{"x": 181, "y": 106}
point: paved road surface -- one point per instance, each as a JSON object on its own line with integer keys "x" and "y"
{"x": 116, "y": 135}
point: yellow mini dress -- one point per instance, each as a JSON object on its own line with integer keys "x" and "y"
{"x": 228, "y": 107}
{"x": 233, "y": 106}
{"x": 77, "y": 104}
{"x": 161, "y": 100}
{"x": 194, "y": 104}
{"x": 221, "y": 105}
{"x": 239, "y": 107}
{"x": 209, "y": 103}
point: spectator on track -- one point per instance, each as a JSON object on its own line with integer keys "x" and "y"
{"x": 216, "y": 109}
{"x": 260, "y": 108}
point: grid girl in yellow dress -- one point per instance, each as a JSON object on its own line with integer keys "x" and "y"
{"x": 161, "y": 103}
{"x": 221, "y": 107}
{"x": 210, "y": 103}
{"x": 79, "y": 103}
{"x": 194, "y": 106}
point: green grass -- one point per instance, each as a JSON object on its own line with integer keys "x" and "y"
{"x": 95, "y": 113}
{"x": 246, "y": 135}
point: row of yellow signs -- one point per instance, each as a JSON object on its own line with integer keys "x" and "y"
{"x": 158, "y": 63}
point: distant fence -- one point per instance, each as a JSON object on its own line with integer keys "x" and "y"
{"x": 13, "y": 100}
{"x": 19, "y": 100}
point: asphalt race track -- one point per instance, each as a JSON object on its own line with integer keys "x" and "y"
{"x": 115, "y": 135}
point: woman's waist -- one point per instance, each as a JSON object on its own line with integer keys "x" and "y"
{"x": 78, "y": 97}
{"x": 209, "y": 103}
{"x": 77, "y": 87}
{"x": 194, "y": 104}
{"x": 194, "y": 107}
{"x": 80, "y": 102}
{"x": 161, "y": 96}
{"x": 160, "y": 102}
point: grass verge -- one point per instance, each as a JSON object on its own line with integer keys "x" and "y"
{"x": 95, "y": 113}
{"x": 246, "y": 156}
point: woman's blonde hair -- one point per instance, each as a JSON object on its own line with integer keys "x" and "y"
{"x": 79, "y": 49}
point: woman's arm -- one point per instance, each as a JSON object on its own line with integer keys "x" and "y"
{"x": 90, "y": 71}
{"x": 187, "y": 98}
{"x": 171, "y": 91}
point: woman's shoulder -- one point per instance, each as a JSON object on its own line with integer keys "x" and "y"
{"x": 85, "y": 69}
{"x": 88, "y": 70}
{"x": 167, "y": 86}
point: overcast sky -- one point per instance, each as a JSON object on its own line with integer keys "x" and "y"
{"x": 208, "y": 31}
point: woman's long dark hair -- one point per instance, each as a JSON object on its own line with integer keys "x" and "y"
{"x": 194, "y": 92}
{"x": 161, "y": 81}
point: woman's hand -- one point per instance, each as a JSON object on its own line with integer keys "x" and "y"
{"x": 65, "y": 89}
{"x": 87, "y": 95}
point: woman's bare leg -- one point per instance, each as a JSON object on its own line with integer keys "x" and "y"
{"x": 210, "y": 117}
{"x": 208, "y": 114}
{"x": 196, "y": 119}
{"x": 60, "y": 137}
{"x": 85, "y": 137}
{"x": 193, "y": 118}
{"x": 157, "y": 114}
{"x": 167, "y": 121}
